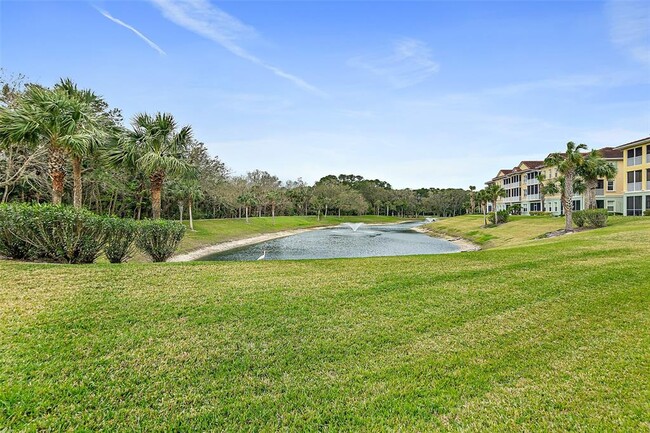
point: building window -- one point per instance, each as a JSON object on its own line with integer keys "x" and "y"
{"x": 634, "y": 205}
{"x": 634, "y": 156}
{"x": 600, "y": 204}
{"x": 634, "y": 180}
{"x": 611, "y": 206}
{"x": 647, "y": 153}
{"x": 610, "y": 185}
{"x": 576, "y": 205}
{"x": 536, "y": 207}
{"x": 647, "y": 202}
{"x": 532, "y": 189}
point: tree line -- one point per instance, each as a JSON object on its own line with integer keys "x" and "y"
{"x": 63, "y": 144}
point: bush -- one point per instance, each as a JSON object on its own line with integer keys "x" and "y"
{"x": 12, "y": 224}
{"x": 579, "y": 218}
{"x": 503, "y": 216}
{"x": 646, "y": 212}
{"x": 596, "y": 217}
{"x": 159, "y": 238}
{"x": 120, "y": 239}
{"x": 61, "y": 233}
{"x": 540, "y": 213}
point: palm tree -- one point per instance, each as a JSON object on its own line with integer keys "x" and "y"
{"x": 472, "y": 198}
{"x": 567, "y": 164}
{"x": 481, "y": 197}
{"x": 541, "y": 178}
{"x": 156, "y": 148}
{"x": 595, "y": 167}
{"x": 64, "y": 121}
{"x": 550, "y": 188}
{"x": 493, "y": 192}
{"x": 97, "y": 126}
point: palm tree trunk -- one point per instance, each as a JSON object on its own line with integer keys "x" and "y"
{"x": 566, "y": 202}
{"x": 56, "y": 167}
{"x": 591, "y": 193}
{"x": 180, "y": 209}
{"x": 246, "y": 214}
{"x": 189, "y": 210}
{"x": 156, "y": 179}
{"x": 76, "y": 179}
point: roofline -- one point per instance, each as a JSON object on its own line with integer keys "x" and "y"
{"x": 645, "y": 140}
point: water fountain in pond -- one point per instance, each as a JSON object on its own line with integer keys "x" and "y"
{"x": 429, "y": 220}
{"x": 353, "y": 226}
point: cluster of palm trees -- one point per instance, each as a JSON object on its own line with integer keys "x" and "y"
{"x": 579, "y": 170}
{"x": 70, "y": 124}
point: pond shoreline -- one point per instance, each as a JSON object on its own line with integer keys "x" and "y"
{"x": 463, "y": 244}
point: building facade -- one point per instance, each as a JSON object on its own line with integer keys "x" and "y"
{"x": 636, "y": 171}
{"x": 523, "y": 187}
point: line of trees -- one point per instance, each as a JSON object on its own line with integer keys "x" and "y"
{"x": 64, "y": 144}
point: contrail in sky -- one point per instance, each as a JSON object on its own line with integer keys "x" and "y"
{"x": 134, "y": 30}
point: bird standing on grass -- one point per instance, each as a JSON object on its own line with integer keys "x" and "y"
{"x": 263, "y": 256}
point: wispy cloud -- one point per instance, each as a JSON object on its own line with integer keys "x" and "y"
{"x": 133, "y": 29}
{"x": 630, "y": 27}
{"x": 408, "y": 64}
{"x": 204, "y": 19}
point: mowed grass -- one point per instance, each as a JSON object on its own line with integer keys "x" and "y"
{"x": 210, "y": 232}
{"x": 519, "y": 230}
{"x": 548, "y": 335}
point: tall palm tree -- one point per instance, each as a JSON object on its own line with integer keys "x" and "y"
{"x": 472, "y": 198}
{"x": 493, "y": 192}
{"x": 482, "y": 199}
{"x": 97, "y": 124}
{"x": 595, "y": 167}
{"x": 567, "y": 164}
{"x": 156, "y": 147}
{"x": 64, "y": 122}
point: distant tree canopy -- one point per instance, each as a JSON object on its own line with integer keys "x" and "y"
{"x": 156, "y": 168}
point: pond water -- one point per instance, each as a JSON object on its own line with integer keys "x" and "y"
{"x": 343, "y": 241}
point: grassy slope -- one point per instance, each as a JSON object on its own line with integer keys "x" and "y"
{"x": 210, "y": 232}
{"x": 549, "y": 335}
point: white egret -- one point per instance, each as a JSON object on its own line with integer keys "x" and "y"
{"x": 263, "y": 256}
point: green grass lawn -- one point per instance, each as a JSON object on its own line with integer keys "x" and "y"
{"x": 532, "y": 335}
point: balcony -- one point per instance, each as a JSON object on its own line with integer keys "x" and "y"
{"x": 600, "y": 191}
{"x": 532, "y": 196}
{"x": 634, "y": 161}
{"x": 532, "y": 181}
{"x": 635, "y": 186}
{"x": 647, "y": 186}
{"x": 511, "y": 199}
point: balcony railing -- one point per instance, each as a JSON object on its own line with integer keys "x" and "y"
{"x": 532, "y": 196}
{"x": 511, "y": 199}
{"x": 600, "y": 191}
{"x": 634, "y": 161}
{"x": 647, "y": 186}
{"x": 532, "y": 181}
{"x": 634, "y": 186}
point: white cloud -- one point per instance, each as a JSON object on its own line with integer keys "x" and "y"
{"x": 630, "y": 27}
{"x": 133, "y": 29}
{"x": 204, "y": 19}
{"x": 408, "y": 64}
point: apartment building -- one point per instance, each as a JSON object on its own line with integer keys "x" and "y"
{"x": 636, "y": 171}
{"x": 522, "y": 187}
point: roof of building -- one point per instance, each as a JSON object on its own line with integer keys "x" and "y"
{"x": 634, "y": 143}
{"x": 611, "y": 153}
{"x": 532, "y": 164}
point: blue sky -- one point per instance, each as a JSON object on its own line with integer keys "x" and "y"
{"x": 417, "y": 93}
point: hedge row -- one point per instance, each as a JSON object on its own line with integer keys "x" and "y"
{"x": 69, "y": 235}
{"x": 593, "y": 217}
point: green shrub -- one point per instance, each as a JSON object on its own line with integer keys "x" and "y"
{"x": 503, "y": 217}
{"x": 120, "y": 239}
{"x": 579, "y": 218}
{"x": 63, "y": 233}
{"x": 540, "y": 213}
{"x": 596, "y": 217}
{"x": 159, "y": 238}
{"x": 12, "y": 224}
{"x": 646, "y": 212}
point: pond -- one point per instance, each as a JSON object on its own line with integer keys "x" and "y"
{"x": 346, "y": 240}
